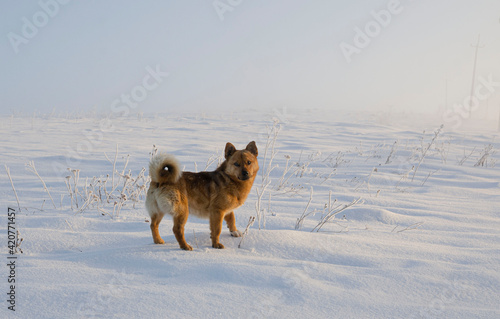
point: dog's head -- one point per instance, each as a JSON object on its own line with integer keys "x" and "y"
{"x": 242, "y": 164}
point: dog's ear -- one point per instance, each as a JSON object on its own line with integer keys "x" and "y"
{"x": 230, "y": 149}
{"x": 252, "y": 148}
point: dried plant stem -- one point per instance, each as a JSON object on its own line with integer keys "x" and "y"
{"x": 258, "y": 204}
{"x": 436, "y": 133}
{"x": 113, "y": 186}
{"x": 484, "y": 157}
{"x": 251, "y": 220}
{"x": 466, "y": 157}
{"x": 282, "y": 180}
{"x": 411, "y": 227}
{"x": 13, "y": 188}
{"x": 300, "y": 220}
{"x": 272, "y": 136}
{"x": 68, "y": 185}
{"x": 267, "y": 168}
{"x": 114, "y": 168}
{"x": 31, "y": 167}
{"x": 69, "y": 225}
{"x": 430, "y": 174}
{"x": 332, "y": 213}
{"x": 393, "y": 150}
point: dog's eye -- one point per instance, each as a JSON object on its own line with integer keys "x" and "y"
{"x": 236, "y": 164}
{"x": 248, "y": 163}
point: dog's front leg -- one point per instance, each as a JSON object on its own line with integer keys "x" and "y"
{"x": 231, "y": 224}
{"x": 216, "y": 219}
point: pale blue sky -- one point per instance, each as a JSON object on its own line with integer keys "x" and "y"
{"x": 93, "y": 54}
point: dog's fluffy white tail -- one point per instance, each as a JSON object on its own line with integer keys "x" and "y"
{"x": 164, "y": 168}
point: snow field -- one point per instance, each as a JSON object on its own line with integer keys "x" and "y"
{"x": 425, "y": 248}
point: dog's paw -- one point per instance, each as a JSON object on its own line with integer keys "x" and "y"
{"x": 236, "y": 233}
{"x": 159, "y": 241}
{"x": 187, "y": 247}
{"x": 218, "y": 246}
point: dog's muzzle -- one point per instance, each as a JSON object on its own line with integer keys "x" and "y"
{"x": 244, "y": 176}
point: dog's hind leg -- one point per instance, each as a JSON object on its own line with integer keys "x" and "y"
{"x": 155, "y": 222}
{"x": 231, "y": 224}
{"x": 180, "y": 220}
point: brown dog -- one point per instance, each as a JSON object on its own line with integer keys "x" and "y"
{"x": 213, "y": 195}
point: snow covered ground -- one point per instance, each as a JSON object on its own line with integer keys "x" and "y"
{"x": 422, "y": 242}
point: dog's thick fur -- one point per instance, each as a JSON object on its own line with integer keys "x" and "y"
{"x": 213, "y": 195}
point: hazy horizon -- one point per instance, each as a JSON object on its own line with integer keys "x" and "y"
{"x": 126, "y": 57}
